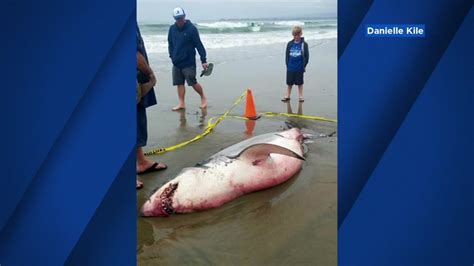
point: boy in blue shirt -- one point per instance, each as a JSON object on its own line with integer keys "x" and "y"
{"x": 297, "y": 57}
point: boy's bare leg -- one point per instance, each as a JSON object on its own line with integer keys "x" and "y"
{"x": 198, "y": 88}
{"x": 181, "y": 93}
{"x": 288, "y": 92}
{"x": 300, "y": 92}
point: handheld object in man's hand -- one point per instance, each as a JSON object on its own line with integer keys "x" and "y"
{"x": 208, "y": 71}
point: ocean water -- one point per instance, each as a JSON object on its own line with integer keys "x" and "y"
{"x": 252, "y": 37}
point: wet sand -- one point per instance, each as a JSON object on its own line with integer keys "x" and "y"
{"x": 294, "y": 223}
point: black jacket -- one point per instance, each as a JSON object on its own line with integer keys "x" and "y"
{"x": 305, "y": 52}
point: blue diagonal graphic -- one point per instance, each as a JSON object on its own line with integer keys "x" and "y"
{"x": 51, "y": 60}
{"x": 416, "y": 209}
{"x": 81, "y": 165}
{"x": 112, "y": 226}
{"x": 395, "y": 82}
{"x": 349, "y": 16}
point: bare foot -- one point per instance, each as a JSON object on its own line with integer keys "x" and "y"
{"x": 203, "y": 103}
{"x": 178, "y": 107}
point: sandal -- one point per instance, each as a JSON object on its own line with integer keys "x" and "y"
{"x": 153, "y": 168}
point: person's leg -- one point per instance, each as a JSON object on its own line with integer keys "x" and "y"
{"x": 300, "y": 92}
{"x": 143, "y": 163}
{"x": 288, "y": 91}
{"x": 198, "y": 88}
{"x": 202, "y": 118}
{"x": 300, "y": 82}
{"x": 289, "y": 82}
{"x": 178, "y": 81}
{"x": 190, "y": 76}
{"x": 142, "y": 136}
{"x": 181, "y": 93}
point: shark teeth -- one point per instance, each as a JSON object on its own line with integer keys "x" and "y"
{"x": 166, "y": 199}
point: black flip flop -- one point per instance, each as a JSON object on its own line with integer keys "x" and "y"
{"x": 285, "y": 99}
{"x": 152, "y": 169}
{"x": 208, "y": 71}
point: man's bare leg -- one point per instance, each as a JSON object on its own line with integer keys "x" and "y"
{"x": 198, "y": 88}
{"x": 181, "y": 94}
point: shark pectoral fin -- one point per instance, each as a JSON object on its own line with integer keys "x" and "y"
{"x": 262, "y": 151}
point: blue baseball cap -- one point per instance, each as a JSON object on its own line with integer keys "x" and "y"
{"x": 178, "y": 13}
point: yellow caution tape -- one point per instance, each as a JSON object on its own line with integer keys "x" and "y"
{"x": 211, "y": 125}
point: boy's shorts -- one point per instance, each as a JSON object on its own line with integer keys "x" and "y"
{"x": 294, "y": 78}
{"x": 182, "y": 74}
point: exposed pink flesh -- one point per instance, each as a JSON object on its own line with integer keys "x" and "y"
{"x": 205, "y": 188}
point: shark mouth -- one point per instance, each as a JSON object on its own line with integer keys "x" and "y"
{"x": 166, "y": 199}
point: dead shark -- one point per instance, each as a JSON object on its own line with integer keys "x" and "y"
{"x": 254, "y": 164}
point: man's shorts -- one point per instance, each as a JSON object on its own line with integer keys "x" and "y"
{"x": 294, "y": 78}
{"x": 182, "y": 74}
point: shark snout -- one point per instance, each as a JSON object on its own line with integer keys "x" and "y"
{"x": 152, "y": 207}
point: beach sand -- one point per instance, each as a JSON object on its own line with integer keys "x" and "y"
{"x": 293, "y": 223}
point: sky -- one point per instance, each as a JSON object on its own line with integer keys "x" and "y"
{"x": 160, "y": 11}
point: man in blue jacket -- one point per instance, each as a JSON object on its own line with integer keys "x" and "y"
{"x": 183, "y": 41}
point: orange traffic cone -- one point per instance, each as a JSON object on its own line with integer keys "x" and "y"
{"x": 250, "y": 111}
